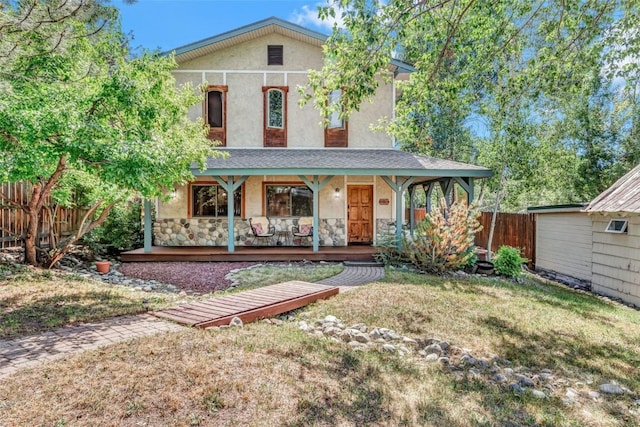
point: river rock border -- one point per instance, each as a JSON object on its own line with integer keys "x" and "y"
{"x": 492, "y": 370}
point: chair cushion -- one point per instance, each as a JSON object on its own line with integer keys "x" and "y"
{"x": 305, "y": 229}
{"x": 257, "y": 229}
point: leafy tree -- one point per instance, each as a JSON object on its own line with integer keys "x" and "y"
{"x": 75, "y": 106}
{"x": 524, "y": 69}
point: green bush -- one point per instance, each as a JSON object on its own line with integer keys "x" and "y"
{"x": 508, "y": 261}
{"x": 121, "y": 231}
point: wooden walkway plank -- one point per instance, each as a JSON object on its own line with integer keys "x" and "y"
{"x": 248, "y": 305}
{"x": 271, "y": 310}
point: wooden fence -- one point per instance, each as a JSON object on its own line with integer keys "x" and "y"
{"x": 517, "y": 230}
{"x": 13, "y": 220}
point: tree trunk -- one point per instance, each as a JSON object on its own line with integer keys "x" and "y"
{"x": 41, "y": 190}
{"x": 86, "y": 225}
{"x": 31, "y": 237}
{"x": 496, "y": 207}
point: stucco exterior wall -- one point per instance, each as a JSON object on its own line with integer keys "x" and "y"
{"x": 616, "y": 260}
{"x": 563, "y": 243}
{"x": 243, "y": 69}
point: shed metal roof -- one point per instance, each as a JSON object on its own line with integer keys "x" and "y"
{"x": 623, "y": 196}
{"x": 336, "y": 161}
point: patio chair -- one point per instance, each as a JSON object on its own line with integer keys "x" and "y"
{"x": 262, "y": 229}
{"x": 303, "y": 229}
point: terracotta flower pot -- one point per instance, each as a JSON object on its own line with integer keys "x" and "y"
{"x": 102, "y": 267}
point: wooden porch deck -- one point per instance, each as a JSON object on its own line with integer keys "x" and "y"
{"x": 248, "y": 305}
{"x": 251, "y": 253}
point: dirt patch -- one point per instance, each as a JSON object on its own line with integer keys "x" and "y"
{"x": 191, "y": 276}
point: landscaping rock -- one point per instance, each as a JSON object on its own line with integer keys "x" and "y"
{"x": 611, "y": 389}
{"x": 525, "y": 381}
{"x": 388, "y": 347}
{"x": 460, "y": 362}
{"x": 499, "y": 378}
{"x": 538, "y": 394}
{"x": 516, "y": 388}
{"x": 431, "y": 357}
{"x": 433, "y": 349}
{"x": 236, "y": 322}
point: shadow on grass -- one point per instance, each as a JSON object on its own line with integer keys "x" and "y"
{"x": 366, "y": 398}
{"x": 562, "y": 350}
{"x": 18, "y": 318}
{"x": 557, "y": 296}
{"x": 362, "y": 400}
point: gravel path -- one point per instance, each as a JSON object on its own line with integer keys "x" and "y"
{"x": 190, "y": 276}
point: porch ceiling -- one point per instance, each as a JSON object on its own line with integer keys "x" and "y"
{"x": 336, "y": 161}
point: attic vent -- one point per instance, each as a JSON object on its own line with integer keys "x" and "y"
{"x": 617, "y": 226}
{"x": 275, "y": 55}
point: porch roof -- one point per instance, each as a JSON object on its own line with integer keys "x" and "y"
{"x": 336, "y": 161}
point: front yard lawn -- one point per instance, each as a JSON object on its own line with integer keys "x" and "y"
{"x": 276, "y": 374}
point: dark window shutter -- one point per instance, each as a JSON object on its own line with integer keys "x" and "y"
{"x": 275, "y": 55}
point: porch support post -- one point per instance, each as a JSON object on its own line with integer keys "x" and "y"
{"x": 412, "y": 206}
{"x": 467, "y": 185}
{"x": 428, "y": 190}
{"x": 447, "y": 189}
{"x": 399, "y": 187}
{"x": 316, "y": 185}
{"x": 230, "y": 187}
{"x": 147, "y": 226}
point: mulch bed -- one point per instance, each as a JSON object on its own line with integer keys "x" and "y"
{"x": 190, "y": 276}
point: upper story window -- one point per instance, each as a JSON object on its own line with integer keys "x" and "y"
{"x": 211, "y": 200}
{"x": 275, "y": 108}
{"x": 275, "y": 55}
{"x": 215, "y": 106}
{"x": 335, "y": 121}
{"x": 336, "y": 134}
{"x": 275, "y": 116}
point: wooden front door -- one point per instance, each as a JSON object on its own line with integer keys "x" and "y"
{"x": 360, "y": 213}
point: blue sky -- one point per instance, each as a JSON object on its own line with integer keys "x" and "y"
{"x": 167, "y": 24}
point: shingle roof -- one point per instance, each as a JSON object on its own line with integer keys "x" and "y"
{"x": 623, "y": 196}
{"x": 336, "y": 161}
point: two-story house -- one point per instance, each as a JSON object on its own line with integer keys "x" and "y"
{"x": 283, "y": 163}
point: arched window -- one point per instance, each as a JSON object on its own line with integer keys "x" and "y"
{"x": 215, "y": 106}
{"x": 276, "y": 108}
{"x": 275, "y": 116}
{"x": 336, "y": 134}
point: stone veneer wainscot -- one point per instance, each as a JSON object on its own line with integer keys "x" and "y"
{"x": 213, "y": 231}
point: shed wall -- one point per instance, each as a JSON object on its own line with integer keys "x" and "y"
{"x": 616, "y": 260}
{"x": 563, "y": 244}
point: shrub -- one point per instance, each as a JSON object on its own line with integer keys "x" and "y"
{"x": 443, "y": 241}
{"x": 121, "y": 231}
{"x": 508, "y": 261}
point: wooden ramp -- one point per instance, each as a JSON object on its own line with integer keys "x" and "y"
{"x": 248, "y": 305}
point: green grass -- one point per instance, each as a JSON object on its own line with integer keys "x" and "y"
{"x": 265, "y": 374}
{"x": 34, "y": 301}
{"x": 270, "y": 275}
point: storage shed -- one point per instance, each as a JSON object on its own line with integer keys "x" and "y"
{"x": 563, "y": 240}
{"x": 615, "y": 220}
{"x": 598, "y": 243}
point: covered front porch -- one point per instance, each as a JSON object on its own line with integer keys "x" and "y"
{"x": 353, "y": 196}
